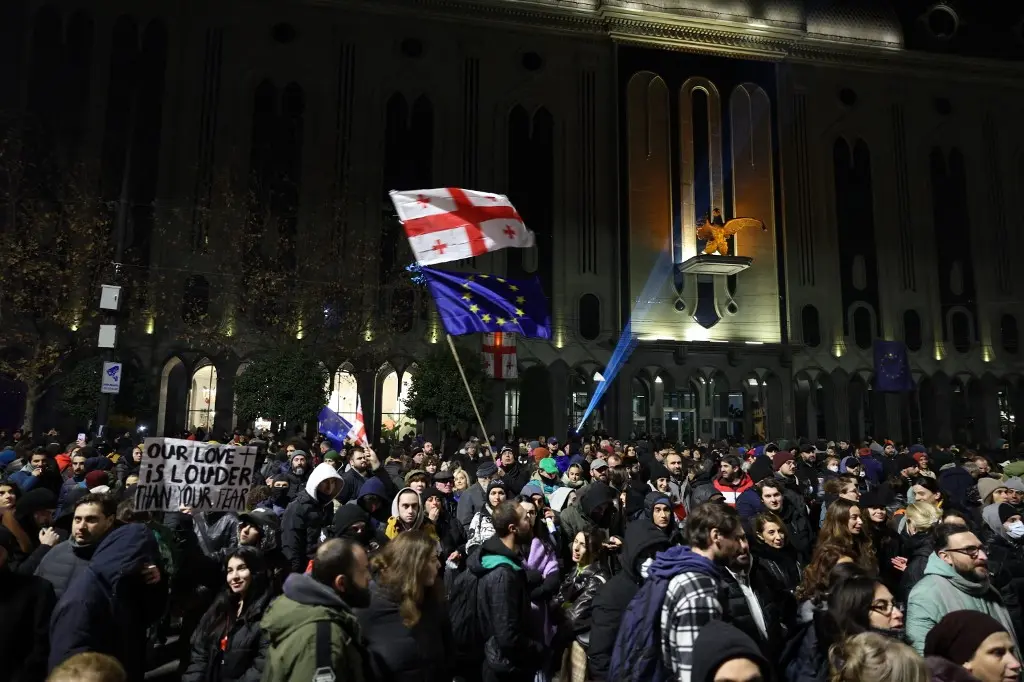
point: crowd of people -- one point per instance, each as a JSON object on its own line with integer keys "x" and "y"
{"x": 591, "y": 559}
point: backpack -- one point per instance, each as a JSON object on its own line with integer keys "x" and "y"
{"x": 467, "y": 627}
{"x": 637, "y": 651}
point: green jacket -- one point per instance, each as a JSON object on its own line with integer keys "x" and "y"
{"x": 942, "y": 590}
{"x": 1014, "y": 468}
{"x": 291, "y": 623}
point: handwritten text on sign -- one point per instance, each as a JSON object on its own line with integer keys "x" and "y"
{"x": 204, "y": 476}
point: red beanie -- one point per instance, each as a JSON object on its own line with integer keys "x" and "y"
{"x": 780, "y": 458}
{"x": 95, "y": 479}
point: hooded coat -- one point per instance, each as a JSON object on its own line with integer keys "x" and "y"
{"x": 578, "y": 517}
{"x": 1006, "y": 566}
{"x": 291, "y": 623}
{"x": 943, "y": 590}
{"x": 107, "y": 608}
{"x": 510, "y": 653}
{"x": 306, "y": 518}
{"x": 610, "y": 602}
{"x": 717, "y": 644}
{"x": 420, "y": 523}
{"x": 377, "y": 487}
{"x": 346, "y": 516}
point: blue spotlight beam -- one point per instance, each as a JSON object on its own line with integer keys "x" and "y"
{"x": 627, "y": 340}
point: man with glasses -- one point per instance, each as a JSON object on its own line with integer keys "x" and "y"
{"x": 956, "y": 578}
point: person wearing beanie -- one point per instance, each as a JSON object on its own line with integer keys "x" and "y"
{"x": 973, "y": 643}
{"x": 1005, "y": 550}
{"x": 784, "y": 466}
{"x": 905, "y": 466}
{"x": 95, "y": 479}
{"x": 513, "y": 473}
{"x": 992, "y": 491}
{"x": 481, "y": 528}
{"x": 956, "y": 577}
{"x": 807, "y": 474}
{"x": 761, "y": 468}
{"x": 472, "y": 500}
{"x": 724, "y": 653}
{"x": 26, "y": 602}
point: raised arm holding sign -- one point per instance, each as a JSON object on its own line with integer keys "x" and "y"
{"x": 204, "y": 476}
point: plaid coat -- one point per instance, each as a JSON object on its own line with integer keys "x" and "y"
{"x": 690, "y": 603}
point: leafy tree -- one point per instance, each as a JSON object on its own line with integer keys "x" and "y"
{"x": 285, "y": 385}
{"x": 80, "y": 391}
{"x": 438, "y": 392}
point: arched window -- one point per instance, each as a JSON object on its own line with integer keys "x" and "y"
{"x": 961, "y": 328}
{"x": 811, "y": 325}
{"x": 589, "y": 316}
{"x": 912, "y": 330}
{"x": 195, "y": 302}
{"x": 393, "y": 397}
{"x": 343, "y": 394}
{"x": 863, "y": 335}
{"x": 1008, "y": 332}
{"x": 202, "y": 398}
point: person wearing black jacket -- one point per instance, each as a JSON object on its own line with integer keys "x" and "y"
{"x": 510, "y": 653}
{"x": 26, "y": 603}
{"x": 228, "y": 645}
{"x": 772, "y": 551}
{"x": 642, "y": 542}
{"x": 307, "y": 515}
{"x": 406, "y": 623}
{"x": 352, "y": 522}
{"x": 516, "y": 475}
{"x": 449, "y": 530}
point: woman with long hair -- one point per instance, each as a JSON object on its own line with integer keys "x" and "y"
{"x": 481, "y": 527}
{"x": 841, "y": 540}
{"x": 772, "y": 551}
{"x": 406, "y": 624}
{"x": 575, "y": 601}
{"x": 855, "y": 605}
{"x": 227, "y": 645}
{"x": 917, "y": 544}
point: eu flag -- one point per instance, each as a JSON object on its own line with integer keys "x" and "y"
{"x": 892, "y": 367}
{"x": 334, "y": 427}
{"x": 487, "y": 303}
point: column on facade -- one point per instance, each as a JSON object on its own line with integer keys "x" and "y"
{"x": 841, "y": 391}
{"x": 369, "y": 401}
{"x": 985, "y": 408}
{"x": 895, "y": 404}
{"x": 224, "y": 405}
{"x": 559, "y": 378}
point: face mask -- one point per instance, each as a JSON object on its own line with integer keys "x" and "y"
{"x": 834, "y": 469}
{"x": 1015, "y": 530}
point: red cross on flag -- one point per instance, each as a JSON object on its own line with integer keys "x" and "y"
{"x": 500, "y": 359}
{"x": 449, "y": 224}
{"x": 358, "y": 431}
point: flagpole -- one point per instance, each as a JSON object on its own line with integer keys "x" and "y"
{"x": 465, "y": 382}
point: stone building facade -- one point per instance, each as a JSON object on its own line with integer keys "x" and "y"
{"x": 879, "y": 147}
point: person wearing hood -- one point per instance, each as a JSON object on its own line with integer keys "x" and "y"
{"x": 511, "y": 654}
{"x": 308, "y": 515}
{"x": 375, "y": 501}
{"x": 408, "y": 513}
{"x": 956, "y": 577}
{"x": 967, "y": 646}
{"x": 659, "y": 513}
{"x": 481, "y": 526}
{"x": 473, "y": 500}
{"x": 562, "y": 499}
{"x": 109, "y": 606}
{"x": 26, "y": 602}
{"x": 352, "y": 522}
{"x": 280, "y": 493}
{"x": 724, "y": 653}
{"x": 660, "y": 480}
{"x": 641, "y": 544}
{"x": 324, "y": 600}
{"x": 1005, "y": 550}
{"x": 93, "y": 517}
{"x": 126, "y": 466}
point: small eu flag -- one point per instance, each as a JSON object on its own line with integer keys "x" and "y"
{"x": 892, "y": 367}
{"x": 487, "y": 303}
{"x": 333, "y": 426}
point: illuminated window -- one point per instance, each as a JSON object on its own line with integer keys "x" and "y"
{"x": 511, "y": 408}
{"x": 202, "y": 398}
{"x": 343, "y": 394}
{"x": 393, "y": 397}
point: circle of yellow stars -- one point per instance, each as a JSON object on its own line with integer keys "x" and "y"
{"x": 515, "y": 303}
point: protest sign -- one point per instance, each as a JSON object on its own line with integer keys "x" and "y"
{"x": 185, "y": 473}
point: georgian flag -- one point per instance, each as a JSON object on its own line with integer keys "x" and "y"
{"x": 449, "y": 224}
{"x": 499, "y": 354}
{"x": 358, "y": 431}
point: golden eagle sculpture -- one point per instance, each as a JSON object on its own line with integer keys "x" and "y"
{"x": 714, "y": 232}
